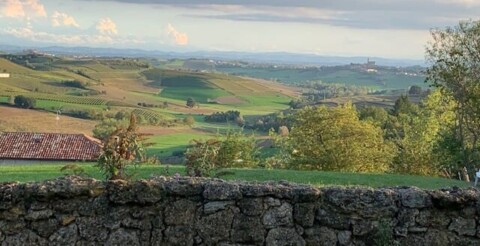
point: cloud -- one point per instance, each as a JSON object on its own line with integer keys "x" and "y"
{"x": 107, "y": 27}
{"x": 178, "y": 37}
{"x": 367, "y": 14}
{"x": 62, "y": 19}
{"x": 74, "y": 39}
{"x": 22, "y": 8}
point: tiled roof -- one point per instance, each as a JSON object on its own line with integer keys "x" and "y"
{"x": 48, "y": 146}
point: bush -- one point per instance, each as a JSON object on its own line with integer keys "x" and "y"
{"x": 24, "y": 102}
{"x": 121, "y": 149}
{"x": 189, "y": 121}
{"x": 209, "y": 157}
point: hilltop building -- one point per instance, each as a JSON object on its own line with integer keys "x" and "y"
{"x": 30, "y": 147}
{"x": 4, "y": 75}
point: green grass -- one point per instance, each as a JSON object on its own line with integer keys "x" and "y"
{"x": 25, "y": 173}
{"x": 384, "y": 79}
{"x": 164, "y": 145}
{"x": 200, "y": 95}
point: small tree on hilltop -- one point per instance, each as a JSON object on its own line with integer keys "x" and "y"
{"x": 191, "y": 102}
{"x": 121, "y": 149}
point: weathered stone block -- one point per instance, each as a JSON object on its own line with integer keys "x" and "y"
{"x": 463, "y": 226}
{"x": 178, "y": 235}
{"x": 304, "y": 214}
{"x": 284, "y": 237}
{"x": 320, "y": 236}
{"x": 415, "y": 198}
{"x": 278, "y": 216}
{"x": 181, "y": 212}
{"x": 248, "y": 230}
{"x": 213, "y": 207}
{"x": 65, "y": 236}
{"x": 215, "y": 227}
{"x": 122, "y": 237}
{"x": 221, "y": 191}
{"x": 251, "y": 206}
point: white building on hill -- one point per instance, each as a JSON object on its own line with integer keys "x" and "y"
{"x": 4, "y": 75}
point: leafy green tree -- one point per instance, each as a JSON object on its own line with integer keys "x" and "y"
{"x": 191, "y": 102}
{"x": 455, "y": 68}
{"x": 123, "y": 148}
{"x": 24, "y": 102}
{"x": 403, "y": 105}
{"x": 206, "y": 158}
{"x": 334, "y": 139}
{"x": 422, "y": 149}
{"x": 237, "y": 150}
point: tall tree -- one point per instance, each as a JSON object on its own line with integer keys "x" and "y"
{"x": 454, "y": 57}
{"x": 334, "y": 139}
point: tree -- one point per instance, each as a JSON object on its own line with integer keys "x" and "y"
{"x": 106, "y": 127}
{"x": 24, "y": 102}
{"x": 422, "y": 147}
{"x": 191, "y": 102}
{"x": 403, "y": 105}
{"x": 206, "y": 158}
{"x": 454, "y": 57}
{"x": 189, "y": 121}
{"x": 415, "y": 90}
{"x": 334, "y": 139}
{"x": 121, "y": 149}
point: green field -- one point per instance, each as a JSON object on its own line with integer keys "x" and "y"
{"x": 25, "y": 173}
{"x": 383, "y": 79}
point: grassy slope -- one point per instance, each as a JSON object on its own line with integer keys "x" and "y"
{"x": 383, "y": 80}
{"x": 25, "y": 173}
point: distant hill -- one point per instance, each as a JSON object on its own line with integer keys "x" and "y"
{"x": 264, "y": 57}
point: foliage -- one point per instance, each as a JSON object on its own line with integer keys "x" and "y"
{"x": 415, "y": 90}
{"x": 121, "y": 149}
{"x": 206, "y": 158}
{"x": 24, "y": 102}
{"x": 191, "y": 102}
{"x": 74, "y": 83}
{"x": 106, "y": 127}
{"x": 335, "y": 139}
{"x": 202, "y": 158}
{"x": 228, "y": 116}
{"x": 455, "y": 68}
{"x": 403, "y": 105}
{"x": 189, "y": 121}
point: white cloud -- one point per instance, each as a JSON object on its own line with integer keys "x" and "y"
{"x": 45, "y": 37}
{"x": 178, "y": 37}
{"x": 107, "y": 27}
{"x": 22, "y": 8}
{"x": 62, "y": 19}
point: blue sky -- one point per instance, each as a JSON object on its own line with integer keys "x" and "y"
{"x": 385, "y": 28}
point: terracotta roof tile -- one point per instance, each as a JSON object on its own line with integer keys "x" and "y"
{"x": 48, "y": 146}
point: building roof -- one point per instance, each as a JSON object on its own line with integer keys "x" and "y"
{"x": 48, "y": 146}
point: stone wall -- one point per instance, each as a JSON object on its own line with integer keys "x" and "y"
{"x": 167, "y": 211}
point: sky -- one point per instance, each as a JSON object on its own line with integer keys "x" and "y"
{"x": 380, "y": 28}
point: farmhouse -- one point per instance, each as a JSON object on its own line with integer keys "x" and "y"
{"x": 29, "y": 147}
{"x": 4, "y": 75}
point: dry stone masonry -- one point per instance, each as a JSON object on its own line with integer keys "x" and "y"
{"x": 192, "y": 211}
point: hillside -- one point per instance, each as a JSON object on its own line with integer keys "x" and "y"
{"x": 93, "y": 89}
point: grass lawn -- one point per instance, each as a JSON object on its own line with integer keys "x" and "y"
{"x": 25, "y": 173}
